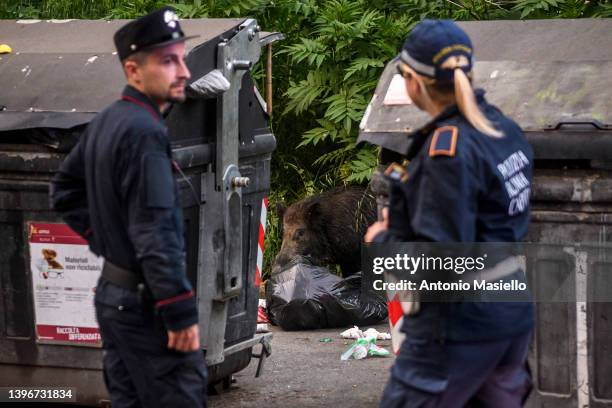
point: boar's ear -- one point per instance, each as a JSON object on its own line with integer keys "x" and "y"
{"x": 281, "y": 208}
{"x": 312, "y": 214}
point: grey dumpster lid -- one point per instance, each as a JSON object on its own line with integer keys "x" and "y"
{"x": 61, "y": 73}
{"x": 540, "y": 72}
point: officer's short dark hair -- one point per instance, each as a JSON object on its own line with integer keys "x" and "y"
{"x": 138, "y": 57}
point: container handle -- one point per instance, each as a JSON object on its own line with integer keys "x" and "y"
{"x": 595, "y": 123}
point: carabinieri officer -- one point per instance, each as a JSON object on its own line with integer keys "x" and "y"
{"x": 116, "y": 188}
{"x": 468, "y": 180}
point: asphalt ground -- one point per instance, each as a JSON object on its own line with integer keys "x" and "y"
{"x": 302, "y": 371}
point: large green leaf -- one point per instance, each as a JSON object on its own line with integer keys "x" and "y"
{"x": 313, "y": 52}
{"x": 304, "y": 93}
{"x": 361, "y": 64}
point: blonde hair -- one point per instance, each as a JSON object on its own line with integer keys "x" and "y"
{"x": 461, "y": 93}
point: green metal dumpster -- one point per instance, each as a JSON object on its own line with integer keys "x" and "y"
{"x": 554, "y": 77}
{"x": 52, "y": 84}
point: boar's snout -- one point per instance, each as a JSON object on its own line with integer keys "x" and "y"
{"x": 280, "y": 261}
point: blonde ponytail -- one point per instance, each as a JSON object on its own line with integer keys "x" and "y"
{"x": 461, "y": 93}
{"x": 466, "y": 101}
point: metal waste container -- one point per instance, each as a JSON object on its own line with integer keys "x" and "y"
{"x": 554, "y": 77}
{"x": 52, "y": 85}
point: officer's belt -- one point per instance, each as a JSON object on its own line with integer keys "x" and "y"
{"x": 120, "y": 277}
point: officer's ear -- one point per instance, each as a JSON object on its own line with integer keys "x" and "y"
{"x": 132, "y": 65}
{"x": 129, "y": 68}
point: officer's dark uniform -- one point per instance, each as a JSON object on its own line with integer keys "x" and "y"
{"x": 116, "y": 188}
{"x": 460, "y": 186}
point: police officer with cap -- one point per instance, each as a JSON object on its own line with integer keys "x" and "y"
{"x": 116, "y": 188}
{"x": 456, "y": 188}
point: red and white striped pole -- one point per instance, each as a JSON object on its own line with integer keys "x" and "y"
{"x": 261, "y": 313}
{"x": 260, "y": 241}
{"x": 396, "y": 317}
{"x": 396, "y": 310}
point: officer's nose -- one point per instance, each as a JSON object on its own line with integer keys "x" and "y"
{"x": 183, "y": 70}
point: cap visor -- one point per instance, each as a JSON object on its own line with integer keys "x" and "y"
{"x": 169, "y": 42}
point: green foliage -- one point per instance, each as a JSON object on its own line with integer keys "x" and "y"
{"x": 211, "y": 8}
{"x": 110, "y": 9}
{"x": 361, "y": 168}
{"x": 131, "y": 8}
{"x": 273, "y": 237}
{"x": 603, "y": 11}
{"x": 82, "y": 9}
{"x": 561, "y": 8}
{"x": 361, "y": 64}
{"x": 18, "y": 10}
{"x": 312, "y": 52}
{"x": 304, "y": 93}
{"x": 336, "y": 58}
{"x": 529, "y": 7}
{"x": 193, "y": 10}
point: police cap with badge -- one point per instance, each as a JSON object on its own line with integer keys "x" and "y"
{"x": 435, "y": 49}
{"x": 156, "y": 29}
{"x": 430, "y": 46}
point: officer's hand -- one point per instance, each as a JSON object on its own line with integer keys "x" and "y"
{"x": 378, "y": 226}
{"x": 374, "y": 230}
{"x": 184, "y": 340}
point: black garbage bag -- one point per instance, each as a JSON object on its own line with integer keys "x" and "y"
{"x": 304, "y": 296}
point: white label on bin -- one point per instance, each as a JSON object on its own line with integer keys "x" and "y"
{"x": 397, "y": 93}
{"x": 64, "y": 276}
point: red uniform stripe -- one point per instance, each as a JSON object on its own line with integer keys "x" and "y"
{"x": 174, "y": 299}
{"x": 142, "y": 105}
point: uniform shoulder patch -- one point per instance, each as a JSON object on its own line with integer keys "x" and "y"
{"x": 444, "y": 141}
